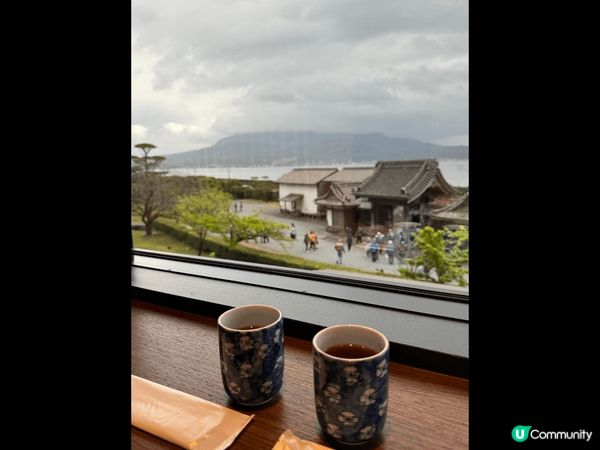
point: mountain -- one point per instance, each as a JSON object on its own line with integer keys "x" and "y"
{"x": 298, "y": 148}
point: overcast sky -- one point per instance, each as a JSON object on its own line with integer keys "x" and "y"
{"x": 207, "y": 69}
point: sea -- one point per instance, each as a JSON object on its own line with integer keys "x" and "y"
{"x": 455, "y": 171}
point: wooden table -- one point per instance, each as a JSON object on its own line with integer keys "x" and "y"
{"x": 426, "y": 410}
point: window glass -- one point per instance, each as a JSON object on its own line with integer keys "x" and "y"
{"x": 320, "y": 135}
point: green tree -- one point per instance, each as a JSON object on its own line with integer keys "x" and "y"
{"x": 150, "y": 195}
{"x": 236, "y": 229}
{"x": 209, "y": 211}
{"x": 204, "y": 212}
{"x": 146, "y": 163}
{"x": 442, "y": 250}
{"x": 188, "y": 185}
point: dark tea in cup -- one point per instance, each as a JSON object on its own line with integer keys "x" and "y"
{"x": 251, "y": 327}
{"x": 251, "y": 352}
{"x": 350, "y": 366}
{"x": 350, "y": 351}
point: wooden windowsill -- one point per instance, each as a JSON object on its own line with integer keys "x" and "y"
{"x": 426, "y": 410}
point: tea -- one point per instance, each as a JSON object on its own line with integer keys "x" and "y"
{"x": 350, "y": 366}
{"x": 251, "y": 327}
{"x": 350, "y": 351}
{"x": 251, "y": 353}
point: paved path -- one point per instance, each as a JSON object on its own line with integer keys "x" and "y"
{"x": 326, "y": 253}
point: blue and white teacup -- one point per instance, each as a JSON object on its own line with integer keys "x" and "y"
{"x": 251, "y": 350}
{"x": 351, "y": 394}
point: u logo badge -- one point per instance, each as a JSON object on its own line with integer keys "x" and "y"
{"x": 520, "y": 433}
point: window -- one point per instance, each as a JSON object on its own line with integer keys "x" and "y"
{"x": 425, "y": 329}
{"x": 344, "y": 119}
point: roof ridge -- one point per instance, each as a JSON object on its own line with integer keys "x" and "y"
{"x": 455, "y": 204}
{"x": 335, "y": 189}
{"x": 314, "y": 168}
{"x": 418, "y": 176}
{"x": 408, "y": 162}
{"x": 423, "y": 184}
{"x": 357, "y": 168}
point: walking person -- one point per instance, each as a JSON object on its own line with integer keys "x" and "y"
{"x": 339, "y": 248}
{"x": 293, "y": 232}
{"x": 314, "y": 240}
{"x": 306, "y": 241}
{"x": 235, "y": 206}
{"x": 380, "y": 241}
{"x": 349, "y": 237}
{"x": 359, "y": 235}
{"x": 241, "y": 206}
{"x": 390, "y": 234}
{"x": 390, "y": 251}
{"x": 374, "y": 249}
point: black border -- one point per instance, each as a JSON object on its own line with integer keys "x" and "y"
{"x": 71, "y": 131}
{"x": 532, "y": 231}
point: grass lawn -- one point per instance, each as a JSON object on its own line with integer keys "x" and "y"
{"x": 161, "y": 242}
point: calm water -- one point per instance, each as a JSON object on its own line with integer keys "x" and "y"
{"x": 455, "y": 171}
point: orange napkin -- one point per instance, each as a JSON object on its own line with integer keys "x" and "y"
{"x": 183, "y": 419}
{"x": 289, "y": 441}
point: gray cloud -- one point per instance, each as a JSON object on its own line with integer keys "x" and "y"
{"x": 359, "y": 20}
{"x": 213, "y": 68}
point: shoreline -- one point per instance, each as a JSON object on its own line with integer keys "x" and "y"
{"x": 455, "y": 171}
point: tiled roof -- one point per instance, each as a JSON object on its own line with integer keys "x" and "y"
{"x": 338, "y": 194}
{"x": 404, "y": 179}
{"x": 351, "y": 175}
{"x": 462, "y": 203}
{"x": 457, "y": 211}
{"x": 454, "y": 216}
{"x": 305, "y": 176}
{"x": 290, "y": 197}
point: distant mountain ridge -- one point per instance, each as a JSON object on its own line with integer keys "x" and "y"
{"x": 299, "y": 148}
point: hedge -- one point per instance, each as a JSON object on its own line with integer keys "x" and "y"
{"x": 222, "y": 250}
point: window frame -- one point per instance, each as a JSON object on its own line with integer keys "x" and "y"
{"x": 433, "y": 335}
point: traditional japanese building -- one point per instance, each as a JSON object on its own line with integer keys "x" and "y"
{"x": 341, "y": 206}
{"x": 456, "y": 213}
{"x": 299, "y": 188}
{"x": 405, "y": 191}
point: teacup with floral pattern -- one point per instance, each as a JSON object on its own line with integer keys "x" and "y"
{"x": 351, "y": 394}
{"x": 251, "y": 359}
